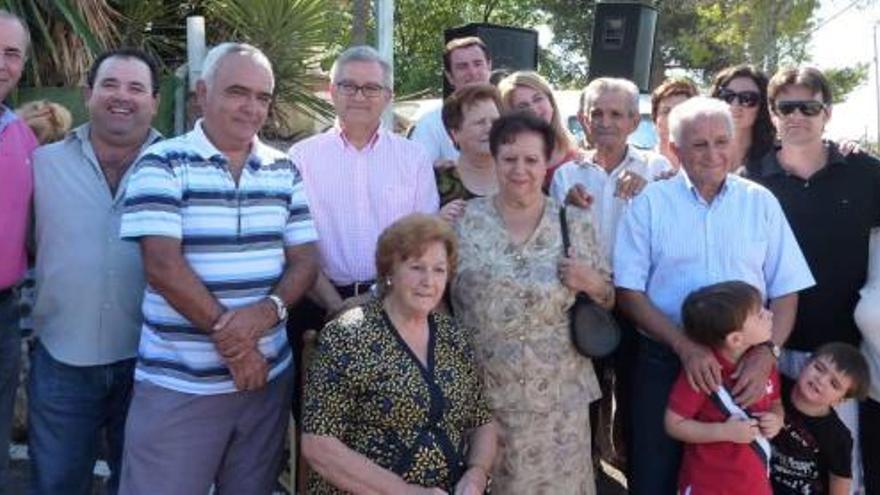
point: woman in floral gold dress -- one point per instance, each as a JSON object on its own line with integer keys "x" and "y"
{"x": 514, "y": 287}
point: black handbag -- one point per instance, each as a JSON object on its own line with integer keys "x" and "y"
{"x": 594, "y": 332}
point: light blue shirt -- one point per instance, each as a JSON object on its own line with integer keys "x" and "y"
{"x": 671, "y": 242}
{"x": 89, "y": 283}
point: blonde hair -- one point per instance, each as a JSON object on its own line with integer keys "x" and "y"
{"x": 564, "y": 140}
{"x": 49, "y": 121}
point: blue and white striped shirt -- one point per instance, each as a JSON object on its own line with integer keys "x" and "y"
{"x": 232, "y": 236}
{"x": 671, "y": 242}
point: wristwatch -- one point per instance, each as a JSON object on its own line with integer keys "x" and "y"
{"x": 280, "y": 307}
{"x": 774, "y": 349}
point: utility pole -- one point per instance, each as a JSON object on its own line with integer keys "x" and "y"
{"x": 877, "y": 82}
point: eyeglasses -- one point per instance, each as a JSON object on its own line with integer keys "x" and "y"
{"x": 748, "y": 99}
{"x": 369, "y": 90}
{"x": 808, "y": 108}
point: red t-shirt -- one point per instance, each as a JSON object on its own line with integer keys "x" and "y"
{"x": 720, "y": 468}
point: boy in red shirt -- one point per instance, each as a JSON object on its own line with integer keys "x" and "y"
{"x": 726, "y": 449}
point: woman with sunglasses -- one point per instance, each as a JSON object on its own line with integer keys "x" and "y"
{"x": 744, "y": 88}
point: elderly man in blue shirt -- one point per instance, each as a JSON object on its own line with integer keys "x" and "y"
{"x": 700, "y": 227}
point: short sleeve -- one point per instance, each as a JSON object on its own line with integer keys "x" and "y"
{"x": 683, "y": 399}
{"x": 153, "y": 200}
{"x": 632, "y": 248}
{"x": 300, "y": 227}
{"x": 838, "y": 454}
{"x": 423, "y": 134}
{"x": 329, "y": 394}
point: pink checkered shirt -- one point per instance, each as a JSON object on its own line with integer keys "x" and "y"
{"x": 17, "y": 142}
{"x": 355, "y": 194}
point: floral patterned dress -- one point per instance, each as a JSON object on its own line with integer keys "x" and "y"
{"x": 539, "y": 388}
{"x": 367, "y": 389}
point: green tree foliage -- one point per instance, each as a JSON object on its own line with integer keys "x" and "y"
{"x": 292, "y": 34}
{"x": 419, "y": 26}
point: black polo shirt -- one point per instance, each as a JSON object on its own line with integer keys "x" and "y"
{"x": 831, "y": 214}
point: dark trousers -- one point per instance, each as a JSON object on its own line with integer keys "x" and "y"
{"x": 10, "y": 357}
{"x": 69, "y": 408}
{"x": 610, "y": 415}
{"x": 869, "y": 430}
{"x": 653, "y": 457}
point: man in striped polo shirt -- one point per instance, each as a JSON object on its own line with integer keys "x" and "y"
{"x": 228, "y": 243}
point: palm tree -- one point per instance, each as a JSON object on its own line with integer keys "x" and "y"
{"x": 66, "y": 35}
{"x": 292, "y": 33}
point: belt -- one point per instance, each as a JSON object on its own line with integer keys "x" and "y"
{"x": 355, "y": 289}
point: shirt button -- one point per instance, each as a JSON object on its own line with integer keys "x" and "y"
{"x": 522, "y": 382}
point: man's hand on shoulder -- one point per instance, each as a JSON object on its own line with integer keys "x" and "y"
{"x": 578, "y": 196}
{"x": 751, "y": 375}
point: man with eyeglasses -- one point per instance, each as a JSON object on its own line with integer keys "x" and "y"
{"x": 359, "y": 178}
{"x": 832, "y": 201}
{"x": 466, "y": 61}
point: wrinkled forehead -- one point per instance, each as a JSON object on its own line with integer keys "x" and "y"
{"x": 245, "y": 70}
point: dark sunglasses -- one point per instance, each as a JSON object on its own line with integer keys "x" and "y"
{"x": 808, "y": 108}
{"x": 748, "y": 99}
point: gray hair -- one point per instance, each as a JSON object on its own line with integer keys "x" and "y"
{"x": 5, "y": 14}
{"x": 219, "y": 52}
{"x": 361, "y": 53}
{"x": 610, "y": 85}
{"x": 692, "y": 109}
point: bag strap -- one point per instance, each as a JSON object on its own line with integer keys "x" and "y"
{"x": 563, "y": 223}
{"x": 725, "y": 402}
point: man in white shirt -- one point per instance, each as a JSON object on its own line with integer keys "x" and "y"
{"x": 465, "y": 61}
{"x": 613, "y": 171}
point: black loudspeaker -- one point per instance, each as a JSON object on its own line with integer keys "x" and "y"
{"x": 623, "y": 42}
{"x": 512, "y": 48}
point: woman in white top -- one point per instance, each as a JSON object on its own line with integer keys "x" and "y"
{"x": 867, "y": 316}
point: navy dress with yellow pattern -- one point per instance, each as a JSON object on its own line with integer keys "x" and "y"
{"x": 367, "y": 389}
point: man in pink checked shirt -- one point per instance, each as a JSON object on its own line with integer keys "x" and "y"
{"x": 16, "y": 185}
{"x": 359, "y": 178}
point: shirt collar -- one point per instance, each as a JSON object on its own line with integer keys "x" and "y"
{"x": 371, "y": 144}
{"x": 6, "y": 117}
{"x": 628, "y": 157}
{"x": 726, "y": 365}
{"x": 770, "y": 162}
{"x": 689, "y": 185}
{"x": 202, "y": 146}
{"x": 83, "y": 132}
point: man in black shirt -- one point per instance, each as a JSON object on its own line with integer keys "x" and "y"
{"x": 831, "y": 201}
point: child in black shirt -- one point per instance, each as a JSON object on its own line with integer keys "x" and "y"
{"x": 812, "y": 452}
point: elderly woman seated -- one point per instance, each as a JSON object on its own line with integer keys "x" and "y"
{"x": 393, "y": 403}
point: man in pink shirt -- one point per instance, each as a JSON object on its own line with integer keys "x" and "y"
{"x": 359, "y": 179}
{"x": 16, "y": 144}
